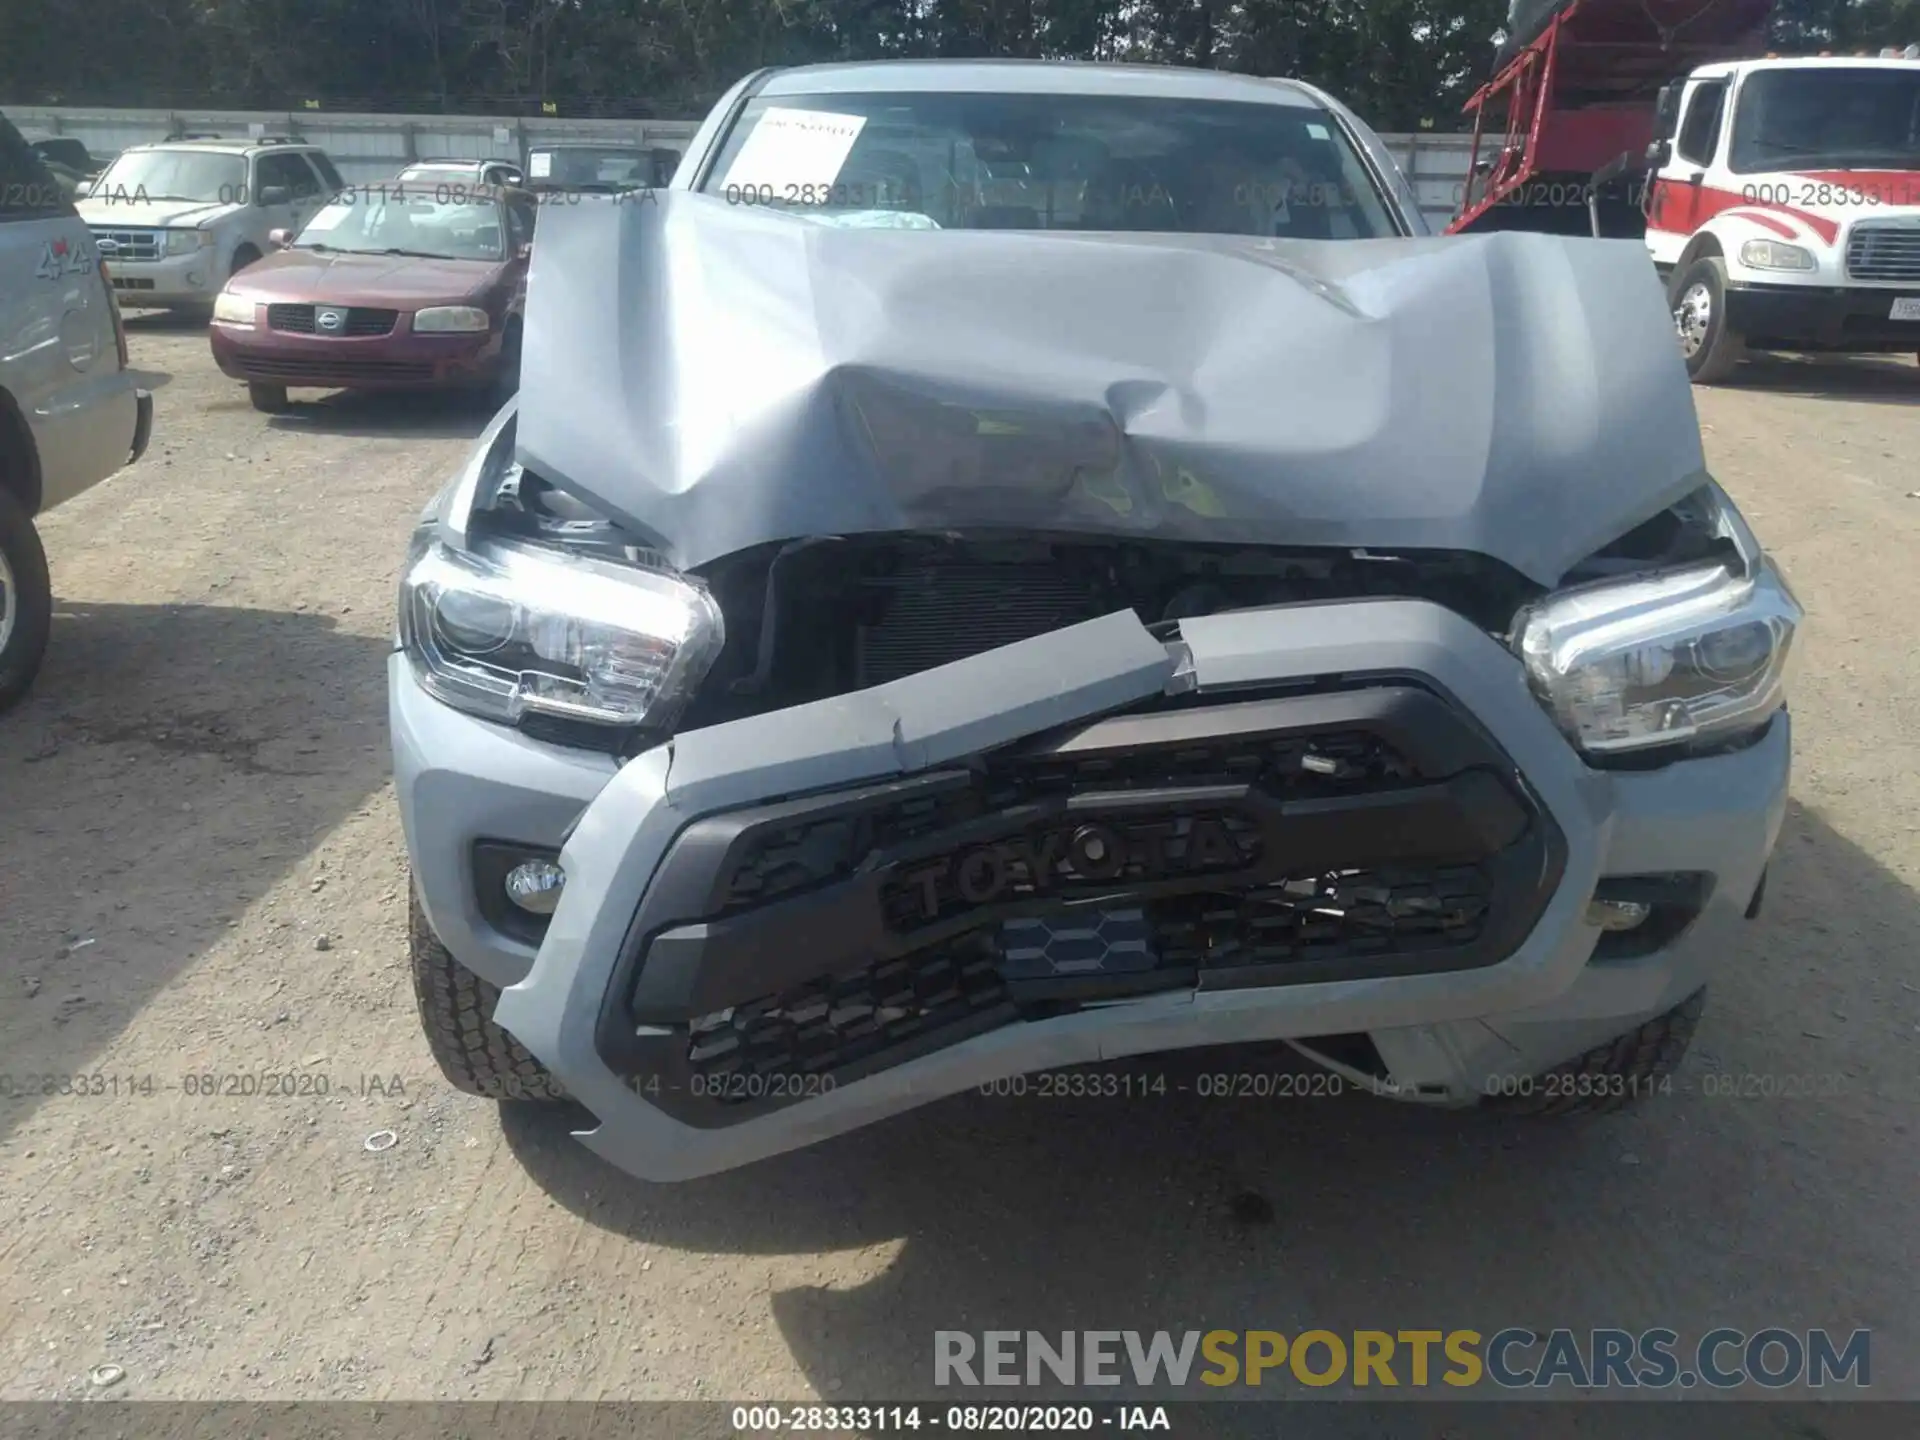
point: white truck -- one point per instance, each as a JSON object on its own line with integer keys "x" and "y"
{"x": 1785, "y": 210}
{"x": 1778, "y": 197}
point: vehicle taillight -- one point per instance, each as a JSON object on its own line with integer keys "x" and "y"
{"x": 113, "y": 309}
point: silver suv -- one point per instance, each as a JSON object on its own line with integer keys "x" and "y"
{"x": 69, "y": 413}
{"x": 177, "y": 220}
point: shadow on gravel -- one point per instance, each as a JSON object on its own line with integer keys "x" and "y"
{"x": 432, "y": 415}
{"x": 169, "y": 765}
{"x": 1874, "y": 380}
{"x": 1174, "y": 1212}
{"x": 162, "y": 322}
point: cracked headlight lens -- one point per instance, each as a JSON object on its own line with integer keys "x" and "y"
{"x": 1661, "y": 659}
{"x": 515, "y": 629}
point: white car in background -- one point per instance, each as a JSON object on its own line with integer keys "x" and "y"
{"x": 177, "y": 220}
{"x": 70, "y": 414}
{"x": 464, "y": 174}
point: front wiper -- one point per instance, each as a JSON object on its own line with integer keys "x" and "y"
{"x": 413, "y": 254}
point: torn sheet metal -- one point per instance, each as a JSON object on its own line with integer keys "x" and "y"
{"x": 719, "y": 376}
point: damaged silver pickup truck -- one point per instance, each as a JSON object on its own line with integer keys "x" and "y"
{"x": 1003, "y": 566}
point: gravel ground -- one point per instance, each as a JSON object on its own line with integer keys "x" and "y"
{"x": 201, "y": 874}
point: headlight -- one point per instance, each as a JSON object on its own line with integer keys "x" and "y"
{"x": 230, "y": 309}
{"x": 1627, "y": 665}
{"x": 1775, "y": 255}
{"x": 444, "y": 319}
{"x": 185, "y": 242}
{"x": 518, "y": 629}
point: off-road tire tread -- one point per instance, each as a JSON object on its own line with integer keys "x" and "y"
{"x": 456, "y": 1012}
{"x": 1639, "y": 1057}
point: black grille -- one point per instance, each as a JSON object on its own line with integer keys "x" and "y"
{"x": 792, "y": 859}
{"x": 360, "y": 322}
{"x": 834, "y": 1023}
{"x": 1326, "y": 917}
{"x": 946, "y": 611}
{"x": 331, "y": 373}
{"x": 1884, "y": 252}
{"x": 1353, "y": 833}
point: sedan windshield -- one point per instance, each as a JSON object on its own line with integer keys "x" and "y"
{"x": 1836, "y": 117}
{"x": 204, "y": 175}
{"x": 401, "y": 221}
{"x": 1053, "y": 162}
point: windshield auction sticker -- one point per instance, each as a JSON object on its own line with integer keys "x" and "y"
{"x": 794, "y": 147}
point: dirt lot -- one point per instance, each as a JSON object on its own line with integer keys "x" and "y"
{"x": 201, "y": 874}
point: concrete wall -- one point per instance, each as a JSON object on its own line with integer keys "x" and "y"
{"x": 371, "y": 147}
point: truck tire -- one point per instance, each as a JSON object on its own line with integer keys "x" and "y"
{"x": 456, "y": 1012}
{"x": 26, "y": 601}
{"x": 1708, "y": 343}
{"x": 1611, "y": 1076}
{"x": 267, "y": 399}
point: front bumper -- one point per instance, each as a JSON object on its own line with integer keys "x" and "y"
{"x": 1809, "y": 317}
{"x": 397, "y": 361}
{"x": 616, "y": 1001}
{"x": 177, "y": 280}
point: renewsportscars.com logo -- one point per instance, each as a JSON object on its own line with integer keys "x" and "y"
{"x": 1512, "y": 1359}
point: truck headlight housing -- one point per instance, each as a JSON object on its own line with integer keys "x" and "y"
{"x": 1664, "y": 658}
{"x": 185, "y": 242}
{"x": 514, "y": 629}
{"x": 231, "y": 309}
{"x": 450, "y": 320}
{"x": 1775, "y": 255}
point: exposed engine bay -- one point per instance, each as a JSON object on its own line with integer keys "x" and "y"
{"x": 813, "y": 618}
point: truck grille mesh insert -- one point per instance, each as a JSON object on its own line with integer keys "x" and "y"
{"x": 1884, "y": 252}
{"x": 789, "y": 861}
{"x": 838, "y": 1021}
{"x": 1332, "y": 917}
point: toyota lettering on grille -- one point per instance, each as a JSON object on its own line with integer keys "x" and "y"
{"x": 1076, "y": 856}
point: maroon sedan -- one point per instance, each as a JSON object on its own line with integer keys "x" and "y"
{"x": 390, "y": 287}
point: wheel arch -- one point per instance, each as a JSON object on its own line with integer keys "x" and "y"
{"x": 19, "y": 457}
{"x": 1702, "y": 246}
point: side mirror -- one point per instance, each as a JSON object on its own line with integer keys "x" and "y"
{"x": 1666, "y": 109}
{"x": 280, "y": 239}
{"x": 1658, "y": 154}
{"x": 274, "y": 194}
{"x": 665, "y": 161}
{"x": 525, "y": 250}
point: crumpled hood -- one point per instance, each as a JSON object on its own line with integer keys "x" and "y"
{"x": 718, "y": 377}
{"x": 120, "y": 212}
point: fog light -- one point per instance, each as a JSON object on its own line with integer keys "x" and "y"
{"x": 535, "y": 885}
{"x": 1616, "y": 914}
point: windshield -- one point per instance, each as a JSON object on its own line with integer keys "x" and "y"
{"x": 1839, "y": 117}
{"x": 609, "y": 167}
{"x": 398, "y": 221}
{"x": 1053, "y": 162}
{"x": 204, "y": 175}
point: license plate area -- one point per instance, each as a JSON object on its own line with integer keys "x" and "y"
{"x": 1907, "y": 307}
